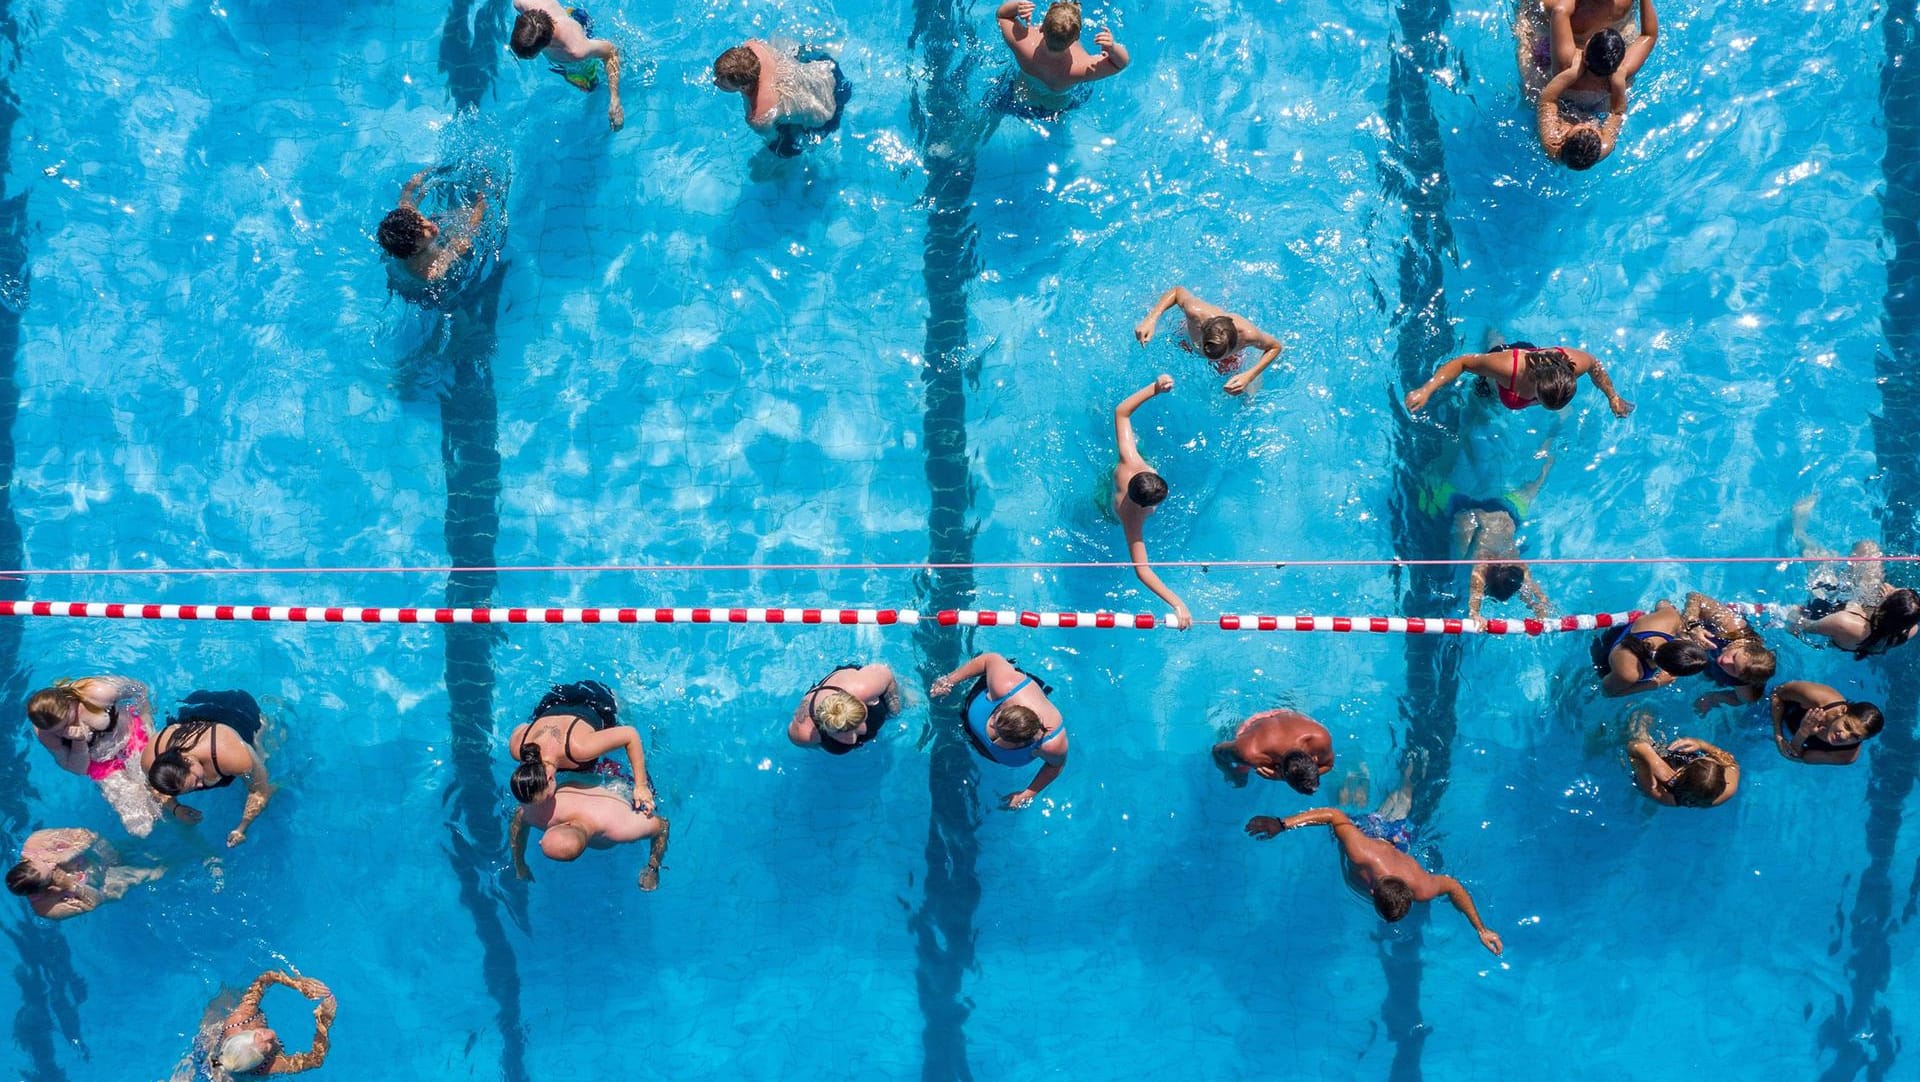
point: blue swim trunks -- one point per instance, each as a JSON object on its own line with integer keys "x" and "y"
{"x": 1398, "y": 833}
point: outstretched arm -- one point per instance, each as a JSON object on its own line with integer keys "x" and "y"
{"x": 610, "y": 55}
{"x": 1604, "y": 383}
{"x": 1137, "y": 552}
{"x": 1113, "y": 58}
{"x": 1269, "y": 347}
{"x": 1452, "y": 370}
{"x": 1177, "y": 295}
{"x": 1264, "y": 827}
{"x": 410, "y": 191}
{"x": 1052, "y": 767}
{"x": 617, "y": 737}
{"x": 1124, "y": 444}
{"x": 322, "y": 1030}
{"x": 971, "y": 669}
{"x": 1463, "y": 901}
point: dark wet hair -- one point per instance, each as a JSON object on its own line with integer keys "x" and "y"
{"x": 1505, "y": 580}
{"x": 1890, "y": 623}
{"x": 532, "y": 32}
{"x": 1870, "y": 717}
{"x": 1605, "y": 50}
{"x": 170, "y": 769}
{"x": 1553, "y": 378}
{"x": 737, "y": 68}
{"x": 25, "y": 879}
{"x": 1019, "y": 723}
{"x": 1147, "y": 488}
{"x": 1698, "y": 784}
{"x": 1218, "y": 337}
{"x": 402, "y": 232}
{"x": 1061, "y": 26}
{"x": 1582, "y": 148}
{"x": 1392, "y": 897}
{"x": 1681, "y": 657}
{"x": 1301, "y": 770}
{"x": 531, "y": 775}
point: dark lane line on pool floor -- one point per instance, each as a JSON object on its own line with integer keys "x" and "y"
{"x": 50, "y": 990}
{"x": 1413, "y": 172}
{"x": 950, "y": 131}
{"x": 1859, "y": 1030}
{"x": 470, "y": 455}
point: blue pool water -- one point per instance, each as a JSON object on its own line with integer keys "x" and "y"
{"x": 906, "y": 347}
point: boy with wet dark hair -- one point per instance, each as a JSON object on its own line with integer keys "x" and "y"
{"x": 1217, "y": 334}
{"x": 418, "y": 242}
{"x": 1137, "y": 490}
{"x": 1279, "y": 745}
{"x": 565, "y": 36}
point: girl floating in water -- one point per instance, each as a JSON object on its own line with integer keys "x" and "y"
{"x": 97, "y": 727}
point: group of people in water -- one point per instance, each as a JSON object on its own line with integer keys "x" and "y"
{"x": 580, "y": 778}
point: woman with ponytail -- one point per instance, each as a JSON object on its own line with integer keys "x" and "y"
{"x": 569, "y": 731}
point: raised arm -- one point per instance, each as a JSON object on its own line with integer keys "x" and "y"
{"x": 410, "y": 191}
{"x": 1124, "y": 444}
{"x": 322, "y": 1029}
{"x": 1463, "y": 901}
{"x": 1560, "y": 28}
{"x": 1177, "y": 295}
{"x": 1113, "y": 58}
{"x": 1053, "y": 756}
{"x": 1642, "y": 46}
{"x": 249, "y": 1005}
{"x": 1012, "y": 17}
{"x": 517, "y": 845}
{"x": 1650, "y": 772}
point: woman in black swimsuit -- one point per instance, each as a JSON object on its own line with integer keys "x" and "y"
{"x": 848, "y": 708}
{"x": 1815, "y": 724}
{"x": 569, "y": 730}
{"x": 208, "y": 743}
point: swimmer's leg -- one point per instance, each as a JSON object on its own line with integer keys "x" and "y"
{"x": 1355, "y": 788}
{"x": 117, "y": 879}
{"x": 1400, "y": 801}
{"x": 650, "y": 875}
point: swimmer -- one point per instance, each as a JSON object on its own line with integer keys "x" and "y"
{"x": 1137, "y": 490}
{"x": 550, "y": 742}
{"x": 1737, "y": 658}
{"x": 790, "y": 99}
{"x": 1376, "y": 860}
{"x": 848, "y": 708}
{"x": 64, "y": 873}
{"x": 1524, "y": 374}
{"x": 97, "y": 727}
{"x": 210, "y": 742}
{"x": 1217, "y": 334}
{"x": 1629, "y": 662}
{"x": 1814, "y": 724}
{"x": 1487, "y": 530}
{"x": 1010, "y": 721}
{"x": 418, "y": 242}
{"x": 1858, "y": 612}
{"x": 573, "y": 820}
{"x": 565, "y": 35}
{"x": 1051, "y": 59}
{"x": 1277, "y": 745}
{"x": 1581, "y": 109}
{"x": 238, "y": 1042}
{"x": 1686, "y": 773}
{"x": 1589, "y": 31}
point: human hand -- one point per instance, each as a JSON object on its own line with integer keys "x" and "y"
{"x": 1104, "y": 39}
{"x": 1265, "y": 827}
{"x": 1621, "y": 407}
{"x": 1238, "y": 384}
{"x": 1417, "y": 399}
{"x": 1024, "y": 12}
{"x": 1491, "y": 940}
{"x": 1016, "y": 801}
{"x": 235, "y": 837}
{"x": 1144, "y": 332}
{"x": 643, "y": 801}
{"x": 1182, "y": 619}
{"x": 616, "y": 116}
{"x": 1684, "y": 744}
{"x": 941, "y": 687}
{"x": 1162, "y": 383}
{"x": 185, "y": 814}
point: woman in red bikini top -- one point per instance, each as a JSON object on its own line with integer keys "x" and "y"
{"x": 1523, "y": 374}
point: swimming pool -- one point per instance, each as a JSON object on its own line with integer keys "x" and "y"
{"x": 906, "y": 347}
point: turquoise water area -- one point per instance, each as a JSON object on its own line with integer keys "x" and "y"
{"x": 905, "y": 347}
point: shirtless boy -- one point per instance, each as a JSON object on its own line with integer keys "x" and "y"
{"x": 1216, "y": 334}
{"x": 1137, "y": 490}
{"x": 564, "y": 35}
{"x": 1051, "y": 56}
{"x": 573, "y": 819}
{"x": 1278, "y": 745}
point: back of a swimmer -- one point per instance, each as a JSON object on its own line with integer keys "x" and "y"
{"x": 1052, "y": 54}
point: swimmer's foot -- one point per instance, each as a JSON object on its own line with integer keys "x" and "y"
{"x": 650, "y": 875}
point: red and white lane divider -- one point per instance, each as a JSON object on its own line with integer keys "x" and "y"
{"x": 346, "y": 614}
